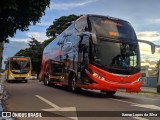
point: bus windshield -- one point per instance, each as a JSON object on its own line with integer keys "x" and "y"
{"x": 112, "y": 28}
{"x": 20, "y": 66}
{"x": 117, "y": 57}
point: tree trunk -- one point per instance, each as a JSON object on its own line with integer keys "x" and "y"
{"x": 1, "y": 55}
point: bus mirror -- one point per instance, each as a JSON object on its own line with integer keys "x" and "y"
{"x": 153, "y": 46}
{"x": 84, "y": 34}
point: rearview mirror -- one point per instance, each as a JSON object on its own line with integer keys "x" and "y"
{"x": 83, "y": 34}
{"x": 153, "y": 46}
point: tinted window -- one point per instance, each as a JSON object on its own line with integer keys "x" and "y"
{"x": 18, "y": 66}
{"x": 81, "y": 24}
{"x": 117, "y": 55}
{"x": 114, "y": 28}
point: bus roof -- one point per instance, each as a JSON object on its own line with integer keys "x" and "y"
{"x": 94, "y": 15}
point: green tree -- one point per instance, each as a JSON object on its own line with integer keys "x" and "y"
{"x": 19, "y": 14}
{"x": 36, "y": 48}
{"x": 34, "y": 52}
{"x": 46, "y": 42}
{"x": 60, "y": 24}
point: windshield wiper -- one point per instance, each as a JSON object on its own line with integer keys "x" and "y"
{"x": 109, "y": 39}
{"x": 119, "y": 39}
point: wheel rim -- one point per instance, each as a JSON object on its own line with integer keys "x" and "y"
{"x": 47, "y": 80}
{"x": 73, "y": 84}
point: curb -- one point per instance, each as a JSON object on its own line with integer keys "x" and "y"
{"x": 3, "y": 97}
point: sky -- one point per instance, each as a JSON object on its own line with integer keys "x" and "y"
{"x": 142, "y": 14}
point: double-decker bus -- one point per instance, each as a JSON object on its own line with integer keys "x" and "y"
{"x": 95, "y": 52}
{"x": 18, "y": 68}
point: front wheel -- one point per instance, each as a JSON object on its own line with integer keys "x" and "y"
{"x": 72, "y": 85}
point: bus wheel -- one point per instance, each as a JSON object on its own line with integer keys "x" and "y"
{"x": 26, "y": 81}
{"x": 8, "y": 81}
{"x": 47, "y": 81}
{"x": 72, "y": 85}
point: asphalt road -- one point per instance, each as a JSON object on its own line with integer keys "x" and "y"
{"x": 86, "y": 105}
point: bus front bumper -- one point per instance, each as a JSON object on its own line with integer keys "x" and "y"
{"x": 105, "y": 85}
{"x": 19, "y": 78}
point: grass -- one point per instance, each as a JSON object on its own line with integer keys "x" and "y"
{"x": 149, "y": 92}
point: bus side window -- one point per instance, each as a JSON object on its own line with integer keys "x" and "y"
{"x": 81, "y": 24}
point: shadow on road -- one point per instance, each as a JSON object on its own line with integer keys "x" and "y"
{"x": 16, "y": 81}
{"x": 90, "y": 93}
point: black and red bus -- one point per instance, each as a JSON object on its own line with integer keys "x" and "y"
{"x": 95, "y": 52}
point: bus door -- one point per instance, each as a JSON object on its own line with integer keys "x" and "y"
{"x": 83, "y": 60}
{"x": 66, "y": 49}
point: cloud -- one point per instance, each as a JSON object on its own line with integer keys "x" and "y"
{"x": 150, "y": 63}
{"x": 20, "y": 39}
{"x": 40, "y": 36}
{"x": 44, "y": 23}
{"x": 153, "y": 21}
{"x": 149, "y": 35}
{"x": 145, "y": 49}
{"x": 66, "y": 6}
{"x": 37, "y": 35}
{"x": 152, "y": 36}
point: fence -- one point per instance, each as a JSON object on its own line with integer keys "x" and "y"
{"x": 149, "y": 81}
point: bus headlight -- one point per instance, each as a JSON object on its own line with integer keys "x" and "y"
{"x": 139, "y": 79}
{"x": 98, "y": 76}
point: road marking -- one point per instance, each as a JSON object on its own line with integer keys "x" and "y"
{"x": 140, "y": 105}
{"x": 48, "y": 102}
{"x": 124, "y": 101}
{"x": 140, "y": 118}
{"x": 57, "y": 108}
{"x": 147, "y": 106}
